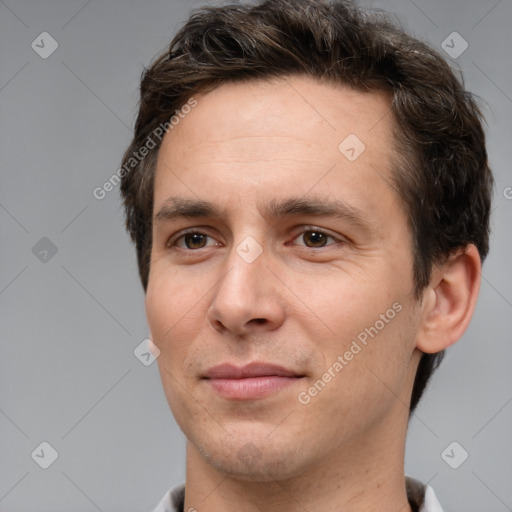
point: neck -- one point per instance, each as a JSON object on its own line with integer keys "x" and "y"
{"x": 366, "y": 475}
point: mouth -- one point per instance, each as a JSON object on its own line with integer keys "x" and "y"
{"x": 253, "y": 381}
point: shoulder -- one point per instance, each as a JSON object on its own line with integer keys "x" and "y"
{"x": 173, "y": 500}
{"x": 421, "y": 496}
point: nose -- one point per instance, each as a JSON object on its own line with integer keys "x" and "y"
{"x": 248, "y": 298}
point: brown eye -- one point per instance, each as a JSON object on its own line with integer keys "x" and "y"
{"x": 315, "y": 238}
{"x": 195, "y": 240}
{"x": 191, "y": 240}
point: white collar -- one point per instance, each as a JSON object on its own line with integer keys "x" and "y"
{"x": 174, "y": 498}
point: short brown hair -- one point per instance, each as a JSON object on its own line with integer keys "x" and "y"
{"x": 440, "y": 169}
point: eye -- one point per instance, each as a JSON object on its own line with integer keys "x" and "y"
{"x": 192, "y": 240}
{"x": 314, "y": 238}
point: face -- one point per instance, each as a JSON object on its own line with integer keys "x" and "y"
{"x": 280, "y": 290}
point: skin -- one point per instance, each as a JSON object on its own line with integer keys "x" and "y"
{"x": 297, "y": 306}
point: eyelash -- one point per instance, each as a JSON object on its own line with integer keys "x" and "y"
{"x": 171, "y": 244}
{"x": 314, "y": 229}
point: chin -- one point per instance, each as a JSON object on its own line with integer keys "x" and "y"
{"x": 256, "y": 460}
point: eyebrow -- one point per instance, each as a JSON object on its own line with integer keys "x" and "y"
{"x": 317, "y": 207}
{"x": 179, "y": 207}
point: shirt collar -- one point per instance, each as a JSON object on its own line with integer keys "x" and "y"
{"x": 422, "y": 498}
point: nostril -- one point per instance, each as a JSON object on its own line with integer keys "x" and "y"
{"x": 260, "y": 320}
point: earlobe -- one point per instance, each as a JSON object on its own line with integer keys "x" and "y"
{"x": 450, "y": 300}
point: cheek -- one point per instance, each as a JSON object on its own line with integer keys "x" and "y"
{"x": 343, "y": 304}
{"x": 366, "y": 378}
{"x": 173, "y": 307}
{"x": 364, "y": 324}
{"x": 175, "y": 316}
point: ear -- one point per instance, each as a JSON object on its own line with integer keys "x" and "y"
{"x": 449, "y": 300}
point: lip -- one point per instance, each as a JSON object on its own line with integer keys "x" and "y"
{"x": 231, "y": 371}
{"x": 255, "y": 380}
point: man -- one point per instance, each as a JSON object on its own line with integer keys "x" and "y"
{"x": 310, "y": 205}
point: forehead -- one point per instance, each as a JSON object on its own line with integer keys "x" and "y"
{"x": 293, "y": 132}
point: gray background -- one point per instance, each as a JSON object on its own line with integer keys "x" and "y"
{"x": 71, "y": 322}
